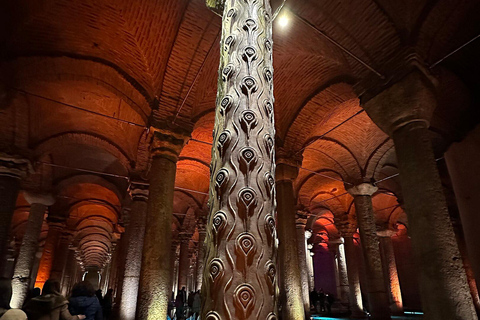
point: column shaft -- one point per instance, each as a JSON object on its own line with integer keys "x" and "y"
{"x": 240, "y": 270}
{"x": 342, "y": 274}
{"x": 9, "y": 188}
{"x": 377, "y": 297}
{"x": 290, "y": 280}
{"x": 60, "y": 258}
{"x": 200, "y": 257}
{"x": 391, "y": 275}
{"x": 26, "y": 256}
{"x": 302, "y": 262}
{"x": 443, "y": 284}
{"x": 155, "y": 283}
{"x": 134, "y": 242}
{"x": 183, "y": 264}
{"x": 356, "y": 304}
{"x": 48, "y": 255}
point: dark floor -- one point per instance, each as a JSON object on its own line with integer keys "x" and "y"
{"x": 406, "y": 317}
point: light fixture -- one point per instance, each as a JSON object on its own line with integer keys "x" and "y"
{"x": 283, "y": 20}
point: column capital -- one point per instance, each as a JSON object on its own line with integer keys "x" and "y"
{"x": 362, "y": 189}
{"x": 346, "y": 224}
{"x": 14, "y": 166}
{"x": 168, "y": 142}
{"x": 287, "y": 164}
{"x": 184, "y": 237}
{"x": 202, "y": 224}
{"x": 138, "y": 190}
{"x": 301, "y": 219}
{"x": 386, "y": 232}
{"x": 47, "y": 199}
{"x": 308, "y": 234}
{"x": 411, "y": 99}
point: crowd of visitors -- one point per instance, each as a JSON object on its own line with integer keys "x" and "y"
{"x": 321, "y": 302}
{"x": 185, "y": 306}
{"x": 50, "y": 304}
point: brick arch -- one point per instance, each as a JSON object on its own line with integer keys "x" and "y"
{"x": 25, "y": 71}
{"x": 83, "y": 138}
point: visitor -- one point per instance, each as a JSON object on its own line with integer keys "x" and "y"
{"x": 35, "y": 292}
{"x": 107, "y": 304}
{"x": 313, "y": 299}
{"x": 330, "y": 299}
{"x": 99, "y": 295}
{"x": 50, "y": 305}
{"x": 190, "y": 302}
{"x": 6, "y": 313}
{"x": 180, "y": 302}
{"x": 84, "y": 301}
{"x": 321, "y": 300}
{"x": 197, "y": 304}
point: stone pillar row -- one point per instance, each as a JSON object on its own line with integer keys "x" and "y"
{"x": 301, "y": 222}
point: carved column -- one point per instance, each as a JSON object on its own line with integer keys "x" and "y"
{"x": 12, "y": 169}
{"x": 28, "y": 250}
{"x": 390, "y": 270}
{"x": 403, "y": 111}
{"x": 347, "y": 226}
{"x": 377, "y": 297}
{"x": 134, "y": 241}
{"x": 341, "y": 268}
{"x": 201, "y": 252}
{"x": 289, "y": 272}
{"x": 300, "y": 224}
{"x": 240, "y": 270}
{"x": 155, "y": 282}
{"x": 55, "y": 227}
{"x": 184, "y": 262}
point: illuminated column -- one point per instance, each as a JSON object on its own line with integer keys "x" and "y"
{"x": 55, "y": 228}
{"x": 300, "y": 224}
{"x": 174, "y": 267}
{"x": 341, "y": 269}
{"x": 201, "y": 252}
{"x": 377, "y": 297}
{"x": 70, "y": 273}
{"x": 403, "y": 111}
{"x": 28, "y": 250}
{"x": 12, "y": 169}
{"x": 347, "y": 226}
{"x": 184, "y": 261}
{"x": 289, "y": 267}
{"x": 155, "y": 282}
{"x": 390, "y": 270}
{"x": 240, "y": 274}
{"x": 134, "y": 241}
{"x": 311, "y": 275}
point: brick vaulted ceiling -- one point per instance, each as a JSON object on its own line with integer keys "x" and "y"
{"x": 122, "y": 59}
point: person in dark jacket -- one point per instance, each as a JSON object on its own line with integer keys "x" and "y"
{"x": 84, "y": 301}
{"x": 107, "y": 304}
{"x": 50, "y": 305}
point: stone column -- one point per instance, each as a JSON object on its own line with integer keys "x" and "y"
{"x": 403, "y": 110}
{"x": 201, "y": 252}
{"x": 347, "y": 226}
{"x": 390, "y": 271}
{"x": 240, "y": 269}
{"x": 310, "y": 274}
{"x": 341, "y": 268}
{"x": 155, "y": 282}
{"x": 134, "y": 242}
{"x": 300, "y": 224}
{"x": 174, "y": 267}
{"x": 70, "y": 273}
{"x": 184, "y": 262}
{"x": 55, "y": 228}
{"x": 12, "y": 169}
{"x": 60, "y": 257}
{"x": 289, "y": 267}
{"x": 28, "y": 250}
{"x": 377, "y": 297}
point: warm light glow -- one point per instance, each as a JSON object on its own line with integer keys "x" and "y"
{"x": 283, "y": 21}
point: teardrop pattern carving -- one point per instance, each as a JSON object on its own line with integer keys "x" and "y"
{"x": 240, "y": 274}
